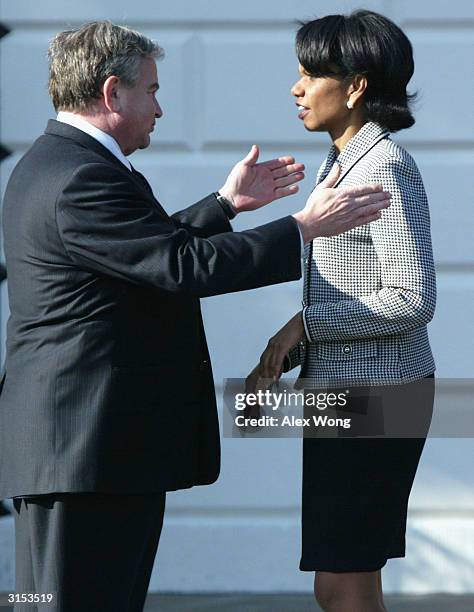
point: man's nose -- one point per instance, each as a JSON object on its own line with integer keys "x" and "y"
{"x": 158, "y": 110}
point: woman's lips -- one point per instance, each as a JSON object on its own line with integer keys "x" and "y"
{"x": 303, "y": 111}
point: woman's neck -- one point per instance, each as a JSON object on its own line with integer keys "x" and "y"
{"x": 341, "y": 135}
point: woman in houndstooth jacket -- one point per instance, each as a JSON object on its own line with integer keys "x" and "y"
{"x": 368, "y": 296}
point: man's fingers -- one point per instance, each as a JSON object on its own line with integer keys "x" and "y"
{"x": 364, "y": 219}
{"x": 370, "y": 218}
{"x": 252, "y": 156}
{"x": 360, "y": 190}
{"x": 289, "y": 180}
{"x": 381, "y": 198}
{"x": 282, "y": 192}
{"x": 332, "y": 177}
{"x": 286, "y": 170}
{"x": 274, "y": 164}
{"x": 370, "y": 209}
{"x": 359, "y": 215}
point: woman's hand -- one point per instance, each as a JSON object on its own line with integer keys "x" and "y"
{"x": 271, "y": 361}
{"x": 252, "y": 384}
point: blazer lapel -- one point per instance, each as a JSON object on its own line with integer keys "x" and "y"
{"x": 327, "y": 165}
{"x": 64, "y": 130}
{"x": 358, "y": 146}
{"x": 144, "y": 184}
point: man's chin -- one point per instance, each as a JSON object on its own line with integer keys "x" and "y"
{"x": 145, "y": 143}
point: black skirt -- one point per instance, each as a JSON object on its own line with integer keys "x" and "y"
{"x": 356, "y": 489}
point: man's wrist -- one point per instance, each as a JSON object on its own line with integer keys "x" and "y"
{"x": 299, "y": 218}
{"x": 227, "y": 203}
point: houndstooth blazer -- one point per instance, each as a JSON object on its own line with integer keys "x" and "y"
{"x": 369, "y": 293}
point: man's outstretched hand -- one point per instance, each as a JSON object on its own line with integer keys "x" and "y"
{"x": 251, "y": 185}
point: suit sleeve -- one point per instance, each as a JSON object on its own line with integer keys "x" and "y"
{"x": 108, "y": 227}
{"x": 401, "y": 238}
{"x": 205, "y": 218}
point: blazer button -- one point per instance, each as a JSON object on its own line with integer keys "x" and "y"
{"x": 347, "y": 349}
{"x": 203, "y": 365}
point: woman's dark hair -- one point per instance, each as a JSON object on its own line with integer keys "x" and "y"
{"x": 368, "y": 44}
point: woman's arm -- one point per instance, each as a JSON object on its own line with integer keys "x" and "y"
{"x": 401, "y": 238}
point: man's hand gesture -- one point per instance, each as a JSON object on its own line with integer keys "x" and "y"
{"x": 251, "y": 185}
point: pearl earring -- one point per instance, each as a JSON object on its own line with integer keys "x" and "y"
{"x": 349, "y": 104}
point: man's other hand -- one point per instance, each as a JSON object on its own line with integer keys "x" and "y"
{"x": 330, "y": 211}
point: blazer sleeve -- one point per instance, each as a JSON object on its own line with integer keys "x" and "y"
{"x": 401, "y": 238}
{"x": 107, "y": 226}
{"x": 205, "y": 218}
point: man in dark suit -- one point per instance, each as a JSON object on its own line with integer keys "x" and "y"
{"x": 108, "y": 397}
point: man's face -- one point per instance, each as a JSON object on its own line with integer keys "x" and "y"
{"x": 139, "y": 109}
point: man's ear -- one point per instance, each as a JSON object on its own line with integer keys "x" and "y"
{"x": 111, "y": 93}
{"x": 357, "y": 89}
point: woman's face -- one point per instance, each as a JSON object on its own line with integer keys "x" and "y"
{"x": 321, "y": 101}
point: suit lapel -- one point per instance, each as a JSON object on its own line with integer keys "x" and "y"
{"x": 64, "y": 130}
{"x": 144, "y": 184}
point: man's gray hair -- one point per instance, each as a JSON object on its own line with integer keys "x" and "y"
{"x": 80, "y": 60}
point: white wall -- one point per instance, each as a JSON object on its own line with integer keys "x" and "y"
{"x": 224, "y": 85}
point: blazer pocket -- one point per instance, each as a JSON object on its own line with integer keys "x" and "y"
{"x": 341, "y": 351}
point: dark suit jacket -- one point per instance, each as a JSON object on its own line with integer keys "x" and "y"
{"x": 108, "y": 383}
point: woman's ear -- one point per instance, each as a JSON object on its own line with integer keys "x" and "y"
{"x": 356, "y": 91}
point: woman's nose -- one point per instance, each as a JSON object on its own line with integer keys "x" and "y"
{"x": 296, "y": 90}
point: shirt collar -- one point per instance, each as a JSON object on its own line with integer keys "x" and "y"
{"x": 105, "y": 140}
{"x": 368, "y": 135}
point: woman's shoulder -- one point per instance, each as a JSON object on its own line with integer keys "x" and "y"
{"x": 393, "y": 157}
{"x": 391, "y": 165}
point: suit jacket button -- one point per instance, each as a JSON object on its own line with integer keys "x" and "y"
{"x": 347, "y": 349}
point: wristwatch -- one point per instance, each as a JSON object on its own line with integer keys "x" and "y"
{"x": 227, "y": 205}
